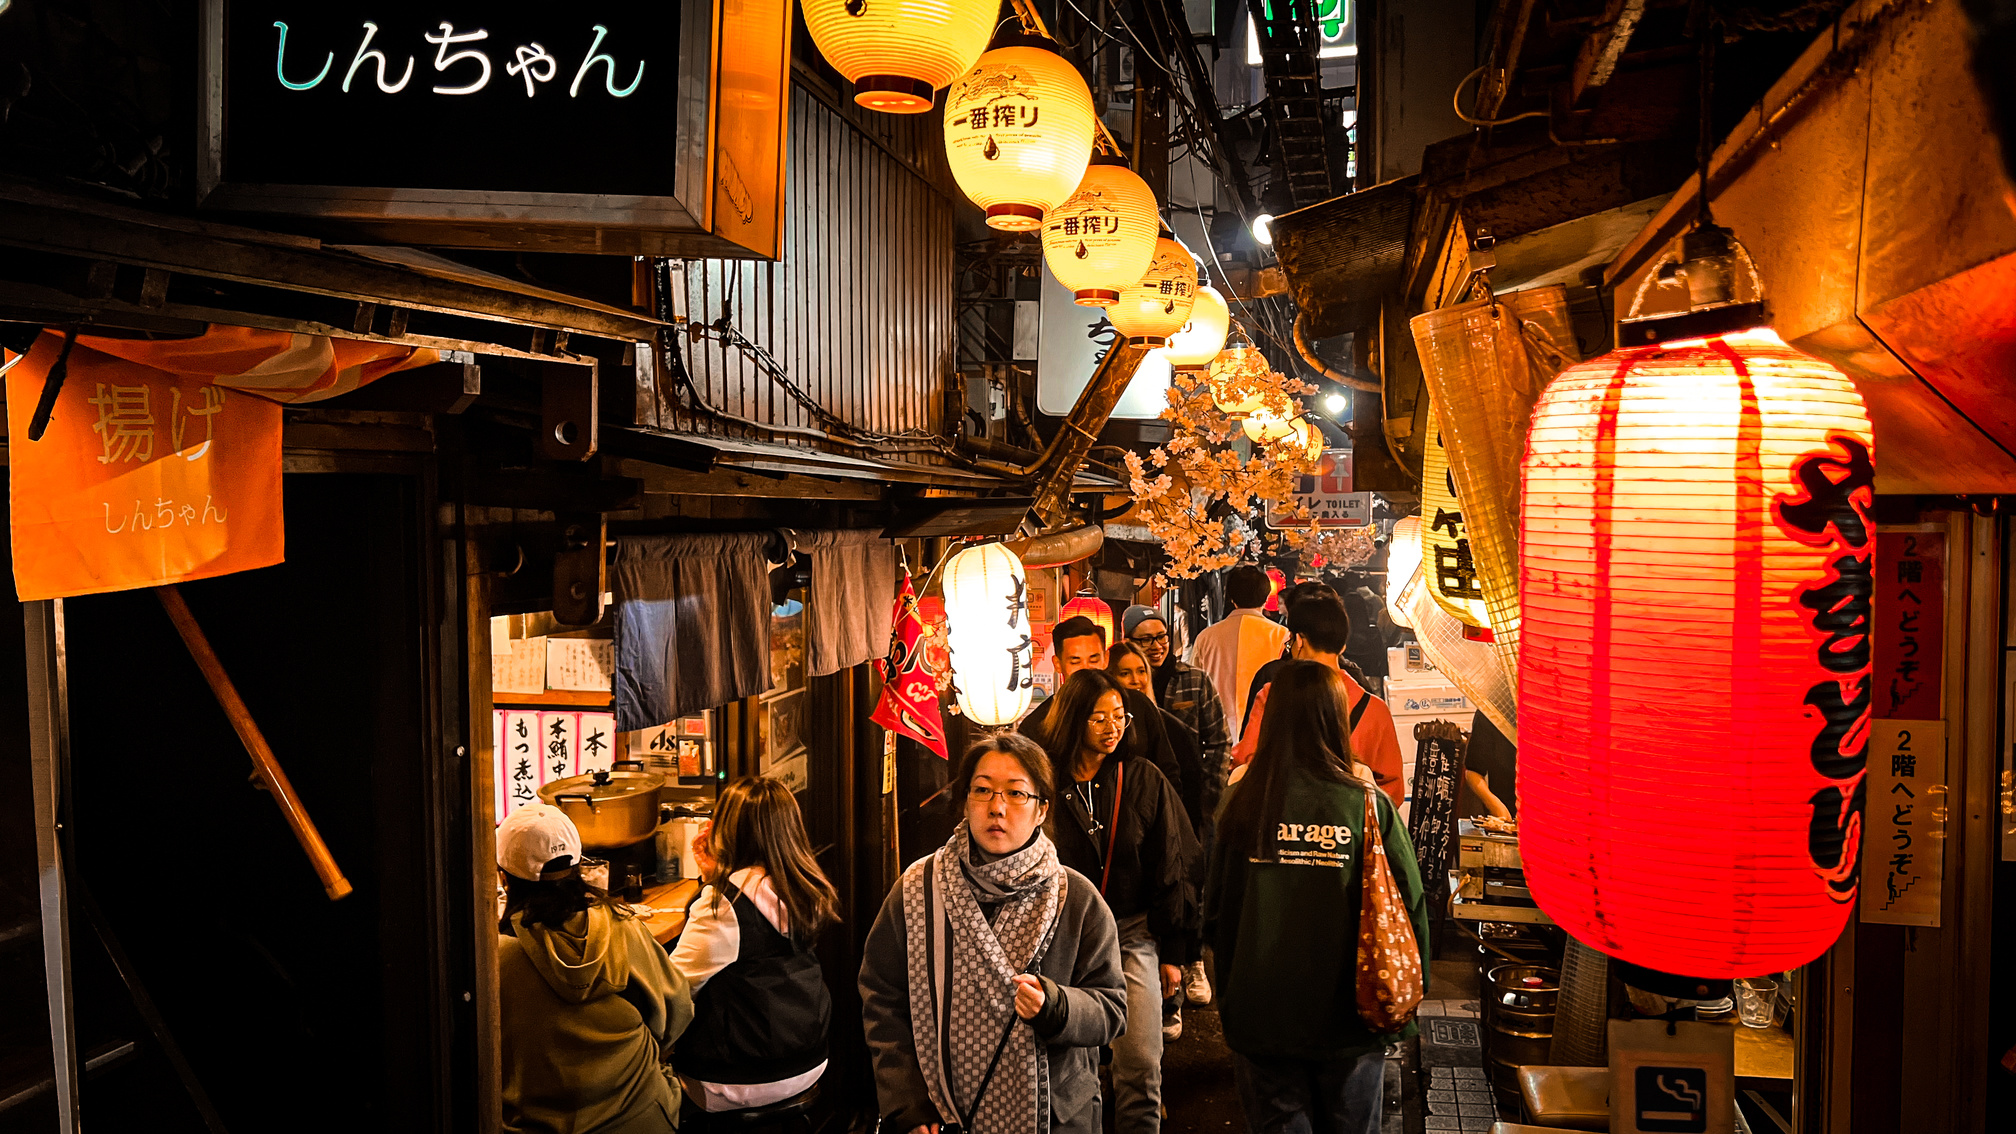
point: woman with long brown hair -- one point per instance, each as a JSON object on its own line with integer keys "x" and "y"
{"x": 760, "y": 1005}
{"x": 1291, "y": 852}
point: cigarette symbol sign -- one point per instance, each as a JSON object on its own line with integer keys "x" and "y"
{"x": 1672, "y": 1100}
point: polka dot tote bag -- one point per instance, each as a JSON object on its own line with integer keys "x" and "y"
{"x": 1389, "y": 960}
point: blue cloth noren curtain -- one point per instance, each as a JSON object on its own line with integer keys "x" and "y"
{"x": 692, "y": 623}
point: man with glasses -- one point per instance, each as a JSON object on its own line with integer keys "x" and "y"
{"x": 1186, "y": 693}
{"x": 1078, "y": 643}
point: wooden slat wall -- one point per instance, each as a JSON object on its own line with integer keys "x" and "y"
{"x": 859, "y": 310}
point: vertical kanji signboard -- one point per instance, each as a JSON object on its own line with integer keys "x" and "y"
{"x": 1903, "y": 845}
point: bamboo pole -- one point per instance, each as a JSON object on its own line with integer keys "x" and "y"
{"x": 265, "y": 769}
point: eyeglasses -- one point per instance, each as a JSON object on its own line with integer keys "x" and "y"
{"x": 1014, "y": 796}
{"x": 1101, "y": 720}
{"x": 1149, "y": 639}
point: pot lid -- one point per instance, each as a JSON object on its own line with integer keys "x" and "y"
{"x": 601, "y": 786}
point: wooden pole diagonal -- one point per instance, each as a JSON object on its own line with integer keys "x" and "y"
{"x": 265, "y": 769}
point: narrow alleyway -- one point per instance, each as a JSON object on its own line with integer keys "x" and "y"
{"x": 1435, "y": 1085}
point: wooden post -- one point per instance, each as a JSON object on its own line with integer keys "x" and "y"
{"x": 265, "y": 768}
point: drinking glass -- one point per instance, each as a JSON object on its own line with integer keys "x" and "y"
{"x": 1756, "y": 1002}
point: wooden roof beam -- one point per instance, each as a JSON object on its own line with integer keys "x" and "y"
{"x": 1597, "y": 59}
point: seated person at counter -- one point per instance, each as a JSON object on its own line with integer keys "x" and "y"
{"x": 589, "y": 1003}
{"x": 760, "y": 1004}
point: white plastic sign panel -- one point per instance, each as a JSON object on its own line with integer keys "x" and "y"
{"x": 1071, "y": 341}
{"x": 1328, "y": 496}
{"x": 1683, "y": 1083}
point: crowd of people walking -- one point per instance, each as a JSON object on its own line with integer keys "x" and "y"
{"x": 1158, "y": 822}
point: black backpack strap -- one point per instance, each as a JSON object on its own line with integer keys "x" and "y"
{"x": 1358, "y": 710}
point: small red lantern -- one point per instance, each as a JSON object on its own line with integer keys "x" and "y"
{"x": 1276, "y": 583}
{"x": 1089, "y": 605}
{"x": 1694, "y": 703}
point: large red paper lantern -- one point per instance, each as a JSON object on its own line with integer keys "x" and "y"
{"x": 1695, "y": 559}
{"x": 1095, "y": 608}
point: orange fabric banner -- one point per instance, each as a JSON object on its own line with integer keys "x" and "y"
{"x": 144, "y": 477}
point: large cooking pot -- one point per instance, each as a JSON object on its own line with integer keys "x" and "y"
{"x": 612, "y": 808}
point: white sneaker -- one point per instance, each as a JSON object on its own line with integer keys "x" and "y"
{"x": 1172, "y": 1024}
{"x": 1196, "y": 986}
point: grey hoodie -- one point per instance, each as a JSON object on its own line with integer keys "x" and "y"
{"x": 589, "y": 1013}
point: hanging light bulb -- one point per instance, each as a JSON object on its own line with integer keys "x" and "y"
{"x": 1018, "y": 131}
{"x": 1198, "y": 343}
{"x": 1158, "y": 306}
{"x": 1240, "y": 376}
{"x": 1102, "y": 238}
{"x": 898, "y": 52}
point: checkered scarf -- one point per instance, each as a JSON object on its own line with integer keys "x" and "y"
{"x": 962, "y": 972}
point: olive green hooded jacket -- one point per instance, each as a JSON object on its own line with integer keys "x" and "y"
{"x": 589, "y": 1013}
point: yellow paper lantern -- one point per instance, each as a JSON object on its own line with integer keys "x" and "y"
{"x": 1158, "y": 306}
{"x": 1308, "y": 437}
{"x": 1102, "y": 237}
{"x": 898, "y": 52}
{"x": 1265, "y": 426}
{"x": 1018, "y": 131}
{"x": 988, "y": 633}
{"x": 1239, "y": 377}
{"x": 1198, "y": 343}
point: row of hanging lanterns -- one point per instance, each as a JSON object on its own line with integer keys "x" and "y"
{"x": 1020, "y": 131}
{"x": 988, "y": 634}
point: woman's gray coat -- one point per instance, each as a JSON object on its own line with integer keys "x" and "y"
{"x": 1083, "y": 962}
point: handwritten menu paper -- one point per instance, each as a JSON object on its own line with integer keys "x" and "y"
{"x": 534, "y": 749}
{"x": 519, "y": 760}
{"x": 587, "y": 664}
{"x": 520, "y": 670}
{"x": 1904, "y": 832}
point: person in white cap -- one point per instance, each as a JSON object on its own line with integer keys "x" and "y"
{"x": 590, "y": 1004}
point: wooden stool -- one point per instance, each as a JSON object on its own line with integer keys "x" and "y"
{"x": 1566, "y": 1098}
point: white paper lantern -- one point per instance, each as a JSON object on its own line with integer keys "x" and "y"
{"x": 988, "y": 633}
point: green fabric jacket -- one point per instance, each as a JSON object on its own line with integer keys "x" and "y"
{"x": 1285, "y": 934}
{"x": 589, "y": 1013}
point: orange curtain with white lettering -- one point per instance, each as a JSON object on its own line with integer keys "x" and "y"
{"x": 158, "y": 465}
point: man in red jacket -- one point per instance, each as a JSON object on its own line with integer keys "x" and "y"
{"x": 1318, "y": 630}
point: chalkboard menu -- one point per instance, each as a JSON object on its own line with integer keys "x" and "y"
{"x": 468, "y": 116}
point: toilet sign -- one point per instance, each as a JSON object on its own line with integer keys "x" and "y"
{"x": 1327, "y": 495}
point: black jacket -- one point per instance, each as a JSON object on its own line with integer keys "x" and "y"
{"x": 1153, "y": 735}
{"x": 1154, "y": 851}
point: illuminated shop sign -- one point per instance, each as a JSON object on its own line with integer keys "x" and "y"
{"x": 446, "y": 121}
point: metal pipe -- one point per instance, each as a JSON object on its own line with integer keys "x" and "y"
{"x": 1307, "y": 350}
{"x": 265, "y": 769}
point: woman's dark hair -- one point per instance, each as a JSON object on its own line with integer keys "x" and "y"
{"x": 1035, "y": 763}
{"x": 552, "y": 904}
{"x": 1306, "y": 726}
{"x": 757, "y": 823}
{"x": 1062, "y": 730}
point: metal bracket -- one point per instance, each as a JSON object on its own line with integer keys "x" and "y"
{"x": 580, "y": 569}
{"x": 568, "y": 422}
